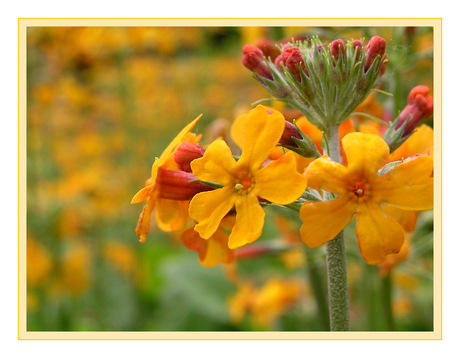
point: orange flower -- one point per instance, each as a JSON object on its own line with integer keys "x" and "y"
{"x": 245, "y": 181}
{"x": 362, "y": 191}
{"x": 167, "y": 190}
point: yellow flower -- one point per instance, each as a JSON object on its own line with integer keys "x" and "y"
{"x": 362, "y": 191}
{"x": 39, "y": 263}
{"x": 245, "y": 181}
{"x": 171, "y": 214}
{"x": 274, "y": 299}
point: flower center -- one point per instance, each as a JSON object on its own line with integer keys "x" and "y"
{"x": 244, "y": 184}
{"x": 359, "y": 189}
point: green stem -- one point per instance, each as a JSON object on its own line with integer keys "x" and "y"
{"x": 387, "y": 288}
{"x": 339, "y": 307}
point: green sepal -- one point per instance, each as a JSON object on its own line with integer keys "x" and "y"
{"x": 394, "y": 138}
{"x": 209, "y": 183}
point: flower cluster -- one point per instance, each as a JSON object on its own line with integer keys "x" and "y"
{"x": 222, "y": 193}
{"x": 326, "y": 83}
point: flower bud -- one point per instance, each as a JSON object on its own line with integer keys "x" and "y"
{"x": 337, "y": 46}
{"x": 175, "y": 185}
{"x": 269, "y": 49}
{"x": 253, "y": 59}
{"x": 375, "y": 47}
{"x": 186, "y": 153}
{"x": 357, "y": 46}
{"x": 419, "y": 106}
{"x": 292, "y": 58}
{"x": 290, "y": 131}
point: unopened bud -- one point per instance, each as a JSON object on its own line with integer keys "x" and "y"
{"x": 290, "y": 131}
{"x": 269, "y": 49}
{"x": 357, "y": 46}
{"x": 253, "y": 59}
{"x": 337, "y": 46}
{"x": 292, "y": 59}
{"x": 419, "y": 106}
{"x": 375, "y": 47}
{"x": 186, "y": 153}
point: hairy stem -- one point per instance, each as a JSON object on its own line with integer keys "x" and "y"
{"x": 339, "y": 307}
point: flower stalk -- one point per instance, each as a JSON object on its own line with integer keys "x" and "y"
{"x": 339, "y": 306}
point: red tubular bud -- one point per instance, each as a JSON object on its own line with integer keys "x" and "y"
{"x": 253, "y": 59}
{"x": 419, "y": 106}
{"x": 290, "y": 131}
{"x": 357, "y": 46}
{"x": 375, "y": 47}
{"x": 175, "y": 185}
{"x": 336, "y": 47}
{"x": 186, "y": 153}
{"x": 269, "y": 49}
{"x": 292, "y": 58}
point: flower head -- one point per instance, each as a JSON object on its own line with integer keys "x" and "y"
{"x": 245, "y": 181}
{"x": 325, "y": 83}
{"x": 361, "y": 190}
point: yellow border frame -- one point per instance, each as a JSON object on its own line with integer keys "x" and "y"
{"x": 23, "y": 23}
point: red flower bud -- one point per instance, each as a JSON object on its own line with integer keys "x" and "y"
{"x": 292, "y": 58}
{"x": 375, "y": 47}
{"x": 175, "y": 185}
{"x": 419, "y": 106}
{"x": 269, "y": 49}
{"x": 336, "y": 47}
{"x": 357, "y": 46}
{"x": 253, "y": 59}
{"x": 290, "y": 131}
{"x": 186, "y": 153}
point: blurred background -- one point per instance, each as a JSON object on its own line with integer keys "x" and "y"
{"x": 102, "y": 103}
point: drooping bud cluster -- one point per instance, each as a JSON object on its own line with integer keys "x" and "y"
{"x": 419, "y": 106}
{"x": 325, "y": 83}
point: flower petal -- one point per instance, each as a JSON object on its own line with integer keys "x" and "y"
{"x": 421, "y": 141}
{"x": 262, "y": 131}
{"x": 328, "y": 175}
{"x": 408, "y": 186}
{"x": 378, "y": 234}
{"x": 208, "y": 209}
{"x": 279, "y": 182}
{"x": 364, "y": 153}
{"x": 177, "y": 140}
{"x": 143, "y": 224}
{"x": 217, "y": 250}
{"x": 142, "y": 194}
{"x": 217, "y": 165}
{"x": 237, "y": 130}
{"x": 249, "y": 221}
{"x": 211, "y": 251}
{"x": 322, "y": 221}
{"x": 406, "y": 218}
{"x": 171, "y": 215}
